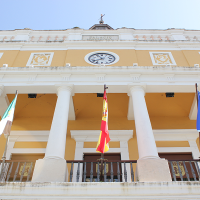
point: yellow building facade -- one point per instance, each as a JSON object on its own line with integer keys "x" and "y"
{"x": 161, "y": 65}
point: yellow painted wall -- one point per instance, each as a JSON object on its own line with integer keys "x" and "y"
{"x": 23, "y": 56}
{"x": 33, "y": 113}
{"x": 193, "y": 57}
{"x": 30, "y": 145}
{"x": 144, "y": 58}
{"x": 172, "y": 144}
{"x": 94, "y": 144}
{"x": 172, "y": 123}
{"x": 2, "y": 145}
{"x": 16, "y": 58}
{"x": 178, "y": 106}
{"x": 27, "y": 157}
{"x": 8, "y": 57}
{"x": 76, "y": 57}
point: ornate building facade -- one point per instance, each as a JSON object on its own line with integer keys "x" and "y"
{"x": 151, "y": 76}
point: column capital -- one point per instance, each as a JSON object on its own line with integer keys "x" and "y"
{"x": 136, "y": 87}
{"x": 67, "y": 87}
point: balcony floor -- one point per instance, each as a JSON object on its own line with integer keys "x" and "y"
{"x": 138, "y": 190}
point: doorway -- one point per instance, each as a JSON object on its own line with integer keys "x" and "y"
{"x": 94, "y": 172}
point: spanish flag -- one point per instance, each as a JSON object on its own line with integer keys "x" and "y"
{"x": 102, "y": 145}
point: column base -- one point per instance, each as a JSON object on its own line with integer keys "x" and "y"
{"x": 152, "y": 170}
{"x": 50, "y": 170}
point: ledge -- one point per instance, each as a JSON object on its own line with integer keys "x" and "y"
{"x": 113, "y": 69}
{"x": 144, "y": 190}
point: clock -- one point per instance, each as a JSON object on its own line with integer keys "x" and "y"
{"x": 104, "y": 58}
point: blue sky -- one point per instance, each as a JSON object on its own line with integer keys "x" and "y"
{"x": 64, "y": 14}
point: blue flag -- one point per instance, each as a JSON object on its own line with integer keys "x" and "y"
{"x": 198, "y": 113}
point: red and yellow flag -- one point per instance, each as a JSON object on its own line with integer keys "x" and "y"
{"x": 102, "y": 144}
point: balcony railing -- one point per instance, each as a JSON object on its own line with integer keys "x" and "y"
{"x": 105, "y": 171}
{"x": 16, "y": 170}
{"x": 99, "y": 171}
{"x": 185, "y": 170}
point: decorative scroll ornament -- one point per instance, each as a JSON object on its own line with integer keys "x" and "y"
{"x": 27, "y": 167}
{"x": 162, "y": 58}
{"x": 176, "y": 168}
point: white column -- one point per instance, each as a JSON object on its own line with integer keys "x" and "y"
{"x": 145, "y": 138}
{"x": 53, "y": 167}
{"x": 150, "y": 167}
{"x": 57, "y": 137}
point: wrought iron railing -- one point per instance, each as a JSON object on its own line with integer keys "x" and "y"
{"x": 16, "y": 170}
{"x": 106, "y": 171}
{"x": 99, "y": 171}
{"x": 185, "y": 170}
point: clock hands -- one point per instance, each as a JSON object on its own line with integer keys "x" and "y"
{"x": 102, "y": 58}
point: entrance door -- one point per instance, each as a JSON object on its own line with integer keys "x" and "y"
{"x": 91, "y": 175}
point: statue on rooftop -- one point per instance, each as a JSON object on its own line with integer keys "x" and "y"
{"x": 101, "y": 19}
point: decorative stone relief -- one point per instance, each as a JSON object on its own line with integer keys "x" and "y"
{"x": 135, "y": 77}
{"x": 100, "y": 77}
{"x": 1, "y": 77}
{"x": 169, "y": 77}
{"x": 100, "y": 37}
{"x": 40, "y": 59}
{"x": 162, "y": 58}
{"x": 32, "y": 78}
{"x": 65, "y": 77}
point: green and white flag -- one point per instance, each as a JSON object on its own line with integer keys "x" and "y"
{"x": 6, "y": 121}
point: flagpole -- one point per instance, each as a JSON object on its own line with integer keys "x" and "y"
{"x": 197, "y": 107}
{"x": 5, "y": 151}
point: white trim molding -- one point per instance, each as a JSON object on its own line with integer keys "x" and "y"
{"x": 175, "y": 134}
{"x": 93, "y": 135}
{"x": 26, "y": 136}
{"x": 189, "y": 135}
{"x": 162, "y": 58}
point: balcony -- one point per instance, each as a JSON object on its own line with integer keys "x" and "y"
{"x": 118, "y": 181}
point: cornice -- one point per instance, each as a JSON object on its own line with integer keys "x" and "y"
{"x": 92, "y": 135}
{"x": 176, "y": 134}
{"x": 31, "y": 136}
{"x": 118, "y": 44}
{"x": 90, "y": 79}
{"x": 105, "y": 69}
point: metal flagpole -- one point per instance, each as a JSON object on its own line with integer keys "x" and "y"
{"x": 197, "y": 107}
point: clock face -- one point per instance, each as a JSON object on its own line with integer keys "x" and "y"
{"x": 102, "y": 58}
